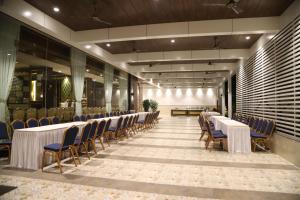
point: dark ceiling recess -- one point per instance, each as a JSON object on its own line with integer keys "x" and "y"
{"x": 79, "y": 14}
{"x": 182, "y": 44}
{"x": 166, "y": 62}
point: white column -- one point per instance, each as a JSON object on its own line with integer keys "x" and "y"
{"x": 229, "y": 96}
{"x": 223, "y": 99}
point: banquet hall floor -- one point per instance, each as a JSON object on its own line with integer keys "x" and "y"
{"x": 166, "y": 162}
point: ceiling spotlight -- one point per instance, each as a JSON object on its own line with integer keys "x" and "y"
{"x": 172, "y": 41}
{"x": 87, "y": 70}
{"x": 27, "y": 13}
{"x": 248, "y": 37}
{"x": 56, "y": 9}
{"x": 108, "y": 44}
{"x": 59, "y": 71}
{"x": 88, "y": 46}
{"x": 8, "y": 54}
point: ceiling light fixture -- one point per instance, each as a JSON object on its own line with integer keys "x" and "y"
{"x": 172, "y": 41}
{"x": 88, "y": 46}
{"x": 56, "y": 9}
{"x": 59, "y": 71}
{"x": 271, "y": 36}
{"x": 248, "y": 37}
{"x": 27, "y": 13}
{"x": 87, "y": 70}
{"x": 108, "y": 44}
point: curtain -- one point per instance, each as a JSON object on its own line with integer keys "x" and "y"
{"x": 9, "y": 35}
{"x": 78, "y": 63}
{"x": 123, "y": 100}
{"x": 108, "y": 83}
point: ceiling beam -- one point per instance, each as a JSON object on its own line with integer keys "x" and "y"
{"x": 180, "y": 29}
{"x": 184, "y": 75}
{"x": 183, "y": 68}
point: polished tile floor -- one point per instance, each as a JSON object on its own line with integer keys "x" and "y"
{"x": 166, "y": 162}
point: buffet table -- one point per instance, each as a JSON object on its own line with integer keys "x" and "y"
{"x": 186, "y": 112}
{"x": 28, "y": 143}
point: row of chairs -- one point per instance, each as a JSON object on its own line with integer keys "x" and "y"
{"x": 98, "y": 116}
{"x": 102, "y": 131}
{"x": 31, "y": 123}
{"x": 261, "y": 131}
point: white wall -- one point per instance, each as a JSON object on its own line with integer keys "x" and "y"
{"x": 181, "y": 98}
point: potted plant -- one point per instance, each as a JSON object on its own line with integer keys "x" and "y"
{"x": 146, "y": 105}
{"x": 153, "y": 105}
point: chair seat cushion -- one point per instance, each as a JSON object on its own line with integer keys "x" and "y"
{"x": 77, "y": 141}
{"x": 218, "y": 134}
{"x": 140, "y": 121}
{"x": 5, "y": 142}
{"x": 254, "y": 134}
{"x": 54, "y": 147}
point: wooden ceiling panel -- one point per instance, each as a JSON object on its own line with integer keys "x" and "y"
{"x": 78, "y": 14}
{"x": 182, "y": 44}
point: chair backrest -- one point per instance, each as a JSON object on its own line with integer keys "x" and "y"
{"x": 251, "y": 121}
{"x": 44, "y": 121}
{"x": 83, "y": 118}
{"x": 129, "y": 123}
{"x": 108, "y": 122}
{"x": 106, "y": 114}
{"x": 93, "y": 130}
{"x": 125, "y": 121}
{"x": 255, "y": 123}
{"x": 96, "y": 116}
{"x": 208, "y": 128}
{"x": 18, "y": 124}
{"x": 270, "y": 128}
{"x": 55, "y": 120}
{"x": 88, "y": 117}
{"x": 32, "y": 123}
{"x": 70, "y": 136}
{"x": 259, "y": 125}
{"x": 101, "y": 116}
{"x": 76, "y": 118}
{"x": 263, "y": 126}
{"x": 85, "y": 132}
{"x": 101, "y": 128}
{"x": 119, "y": 124}
{"x": 234, "y": 116}
{"x": 3, "y": 131}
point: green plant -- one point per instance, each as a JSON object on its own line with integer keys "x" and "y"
{"x": 153, "y": 105}
{"x": 146, "y": 105}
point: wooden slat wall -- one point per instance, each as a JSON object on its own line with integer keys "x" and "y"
{"x": 268, "y": 85}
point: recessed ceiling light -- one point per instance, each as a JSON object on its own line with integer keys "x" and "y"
{"x": 8, "y": 54}
{"x": 247, "y": 37}
{"x": 108, "y": 44}
{"x": 59, "y": 71}
{"x": 27, "y": 13}
{"x": 172, "y": 41}
{"x": 56, "y": 9}
{"x": 87, "y": 70}
{"x": 87, "y": 46}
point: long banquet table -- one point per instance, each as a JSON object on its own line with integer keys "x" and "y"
{"x": 28, "y": 144}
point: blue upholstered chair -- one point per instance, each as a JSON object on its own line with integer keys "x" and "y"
{"x": 101, "y": 116}
{"x": 261, "y": 138}
{"x": 96, "y": 116}
{"x": 114, "y": 131}
{"x": 123, "y": 127}
{"x": 91, "y": 138}
{"x": 31, "y": 123}
{"x": 88, "y": 117}
{"x": 55, "y": 120}
{"x": 66, "y": 145}
{"x": 44, "y": 121}
{"x": 106, "y": 133}
{"x": 255, "y": 124}
{"x": 107, "y": 115}
{"x": 99, "y": 132}
{"x": 251, "y": 121}
{"x": 83, "y": 140}
{"x": 5, "y": 141}
{"x": 214, "y": 135}
{"x": 17, "y": 124}
{"x": 83, "y": 118}
{"x": 76, "y": 118}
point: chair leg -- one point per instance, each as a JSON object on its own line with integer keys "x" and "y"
{"x": 202, "y": 134}
{"x": 58, "y": 162}
{"x": 100, "y": 139}
{"x": 8, "y": 148}
{"x": 86, "y": 150}
{"x": 107, "y": 139}
{"x": 76, "y": 153}
{"x": 72, "y": 154}
{"x": 207, "y": 142}
{"x": 43, "y": 160}
{"x": 94, "y": 146}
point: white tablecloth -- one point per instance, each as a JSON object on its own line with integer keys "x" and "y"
{"x": 28, "y": 144}
{"x": 216, "y": 120}
{"x": 209, "y": 114}
{"x": 238, "y": 136}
